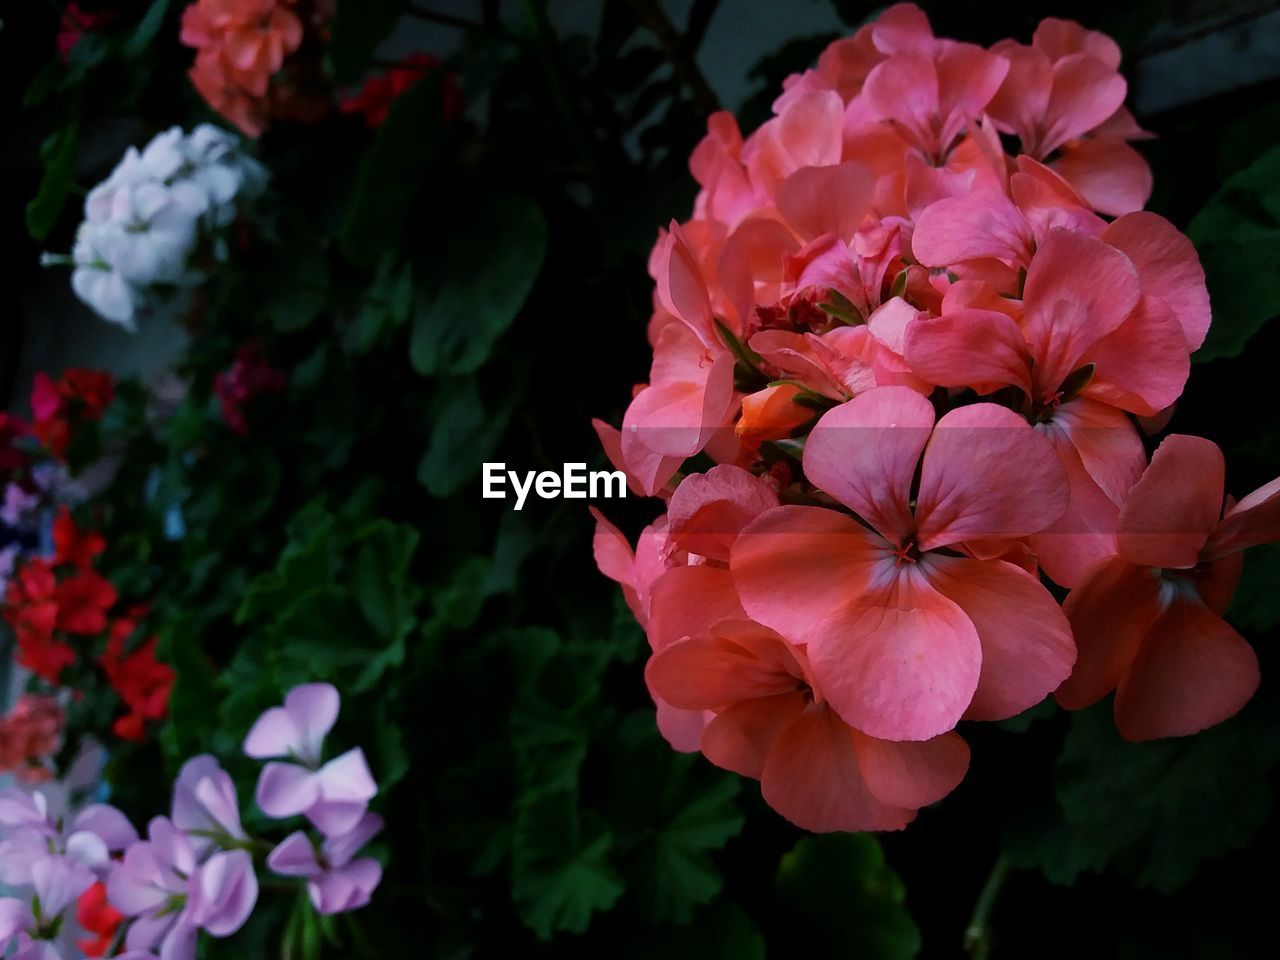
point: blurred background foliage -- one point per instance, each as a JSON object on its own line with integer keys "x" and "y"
{"x": 445, "y": 291}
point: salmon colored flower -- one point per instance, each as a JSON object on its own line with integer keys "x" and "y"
{"x": 772, "y": 724}
{"x": 1063, "y": 99}
{"x": 29, "y": 737}
{"x": 906, "y": 633}
{"x": 240, "y": 45}
{"x": 1148, "y": 620}
{"x": 1090, "y": 347}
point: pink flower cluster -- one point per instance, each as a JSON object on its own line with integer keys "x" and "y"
{"x": 194, "y": 872}
{"x": 921, "y": 364}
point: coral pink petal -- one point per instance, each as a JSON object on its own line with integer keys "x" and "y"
{"x": 982, "y": 224}
{"x": 1023, "y": 99}
{"x": 983, "y": 349}
{"x": 795, "y": 567}
{"x": 1191, "y": 672}
{"x": 682, "y": 729}
{"x": 912, "y": 774}
{"x": 612, "y": 551}
{"x": 1106, "y": 441}
{"x": 1027, "y": 649}
{"x": 682, "y": 290}
{"x": 811, "y": 777}
{"x": 902, "y": 28}
{"x": 685, "y": 601}
{"x": 1086, "y": 532}
{"x": 1078, "y": 290}
{"x": 899, "y": 662}
{"x": 969, "y": 492}
{"x": 1253, "y": 521}
{"x": 754, "y": 253}
{"x": 968, "y": 77}
{"x": 864, "y": 453}
{"x": 1168, "y": 268}
{"x": 1175, "y": 506}
{"x": 905, "y": 89}
{"x": 805, "y": 199}
{"x": 1109, "y": 173}
{"x": 708, "y": 510}
{"x": 1048, "y": 201}
{"x": 1110, "y": 612}
{"x": 677, "y": 419}
{"x": 811, "y": 128}
{"x": 739, "y": 738}
{"x": 1085, "y": 93}
{"x": 738, "y": 661}
{"x": 648, "y": 472}
{"x": 1061, "y": 38}
{"x": 1143, "y": 365}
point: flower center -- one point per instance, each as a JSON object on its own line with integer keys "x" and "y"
{"x": 907, "y": 552}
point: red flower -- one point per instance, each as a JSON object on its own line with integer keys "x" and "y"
{"x": 380, "y": 91}
{"x": 83, "y": 601}
{"x": 250, "y": 376}
{"x": 75, "y": 24}
{"x": 44, "y": 655}
{"x": 12, "y": 428}
{"x": 73, "y": 545}
{"x": 98, "y": 917}
{"x": 143, "y": 682}
{"x": 80, "y": 394}
{"x": 29, "y": 599}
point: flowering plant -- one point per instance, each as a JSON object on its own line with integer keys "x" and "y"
{"x": 874, "y": 314}
{"x": 306, "y": 693}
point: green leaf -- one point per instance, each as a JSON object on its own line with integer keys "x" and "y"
{"x": 463, "y": 435}
{"x": 1238, "y": 237}
{"x": 58, "y": 154}
{"x": 487, "y": 273}
{"x": 1154, "y": 811}
{"x": 380, "y": 579}
{"x": 681, "y": 875}
{"x": 838, "y": 898}
{"x": 387, "y": 306}
{"x": 560, "y": 879}
{"x": 147, "y": 29}
{"x": 392, "y": 174}
{"x": 358, "y": 27}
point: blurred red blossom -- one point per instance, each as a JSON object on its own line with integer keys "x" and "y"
{"x": 374, "y": 98}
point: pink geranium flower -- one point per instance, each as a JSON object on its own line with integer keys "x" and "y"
{"x": 333, "y": 795}
{"x": 336, "y": 882}
{"x": 772, "y": 724}
{"x": 907, "y": 629}
{"x": 1091, "y": 345}
{"x": 1148, "y": 620}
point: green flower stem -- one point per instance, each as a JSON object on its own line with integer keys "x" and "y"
{"x": 977, "y": 939}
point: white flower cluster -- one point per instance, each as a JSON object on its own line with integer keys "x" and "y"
{"x": 157, "y": 218}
